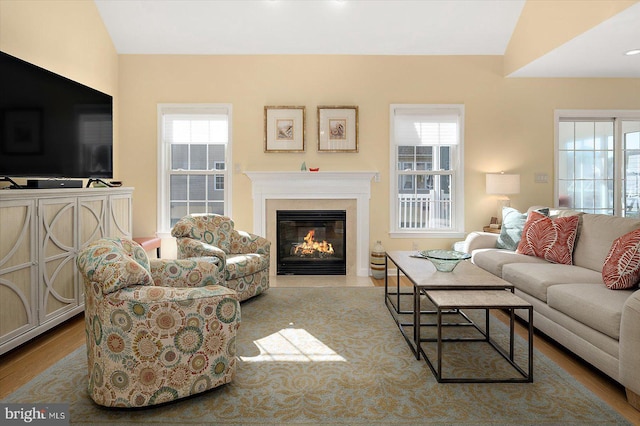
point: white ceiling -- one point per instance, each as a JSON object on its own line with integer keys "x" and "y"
{"x": 362, "y": 27}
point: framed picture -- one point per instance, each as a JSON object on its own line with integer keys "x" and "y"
{"x": 338, "y": 128}
{"x": 22, "y": 132}
{"x": 284, "y": 128}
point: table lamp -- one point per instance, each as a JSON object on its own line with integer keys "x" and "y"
{"x": 502, "y": 184}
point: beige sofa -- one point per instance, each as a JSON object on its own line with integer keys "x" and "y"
{"x": 571, "y": 303}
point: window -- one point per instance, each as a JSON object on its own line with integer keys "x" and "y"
{"x": 598, "y": 161}
{"x": 194, "y": 155}
{"x": 427, "y": 166}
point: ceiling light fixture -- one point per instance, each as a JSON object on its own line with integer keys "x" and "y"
{"x": 632, "y": 52}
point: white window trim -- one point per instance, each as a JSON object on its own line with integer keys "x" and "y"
{"x": 457, "y": 208}
{"x": 164, "y": 156}
{"x": 596, "y": 114}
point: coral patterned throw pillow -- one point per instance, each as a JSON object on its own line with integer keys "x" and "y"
{"x": 550, "y": 239}
{"x": 621, "y": 269}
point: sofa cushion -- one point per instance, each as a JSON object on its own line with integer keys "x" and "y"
{"x": 493, "y": 260}
{"x": 621, "y": 268}
{"x": 535, "y": 278}
{"x": 550, "y": 239}
{"x": 596, "y": 237}
{"x": 241, "y": 265}
{"x": 591, "y": 304}
{"x": 512, "y": 225}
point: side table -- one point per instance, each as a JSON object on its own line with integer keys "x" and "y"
{"x": 490, "y": 229}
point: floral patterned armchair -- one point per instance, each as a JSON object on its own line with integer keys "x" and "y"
{"x": 157, "y": 330}
{"x": 244, "y": 257}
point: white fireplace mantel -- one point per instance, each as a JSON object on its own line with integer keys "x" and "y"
{"x": 312, "y": 186}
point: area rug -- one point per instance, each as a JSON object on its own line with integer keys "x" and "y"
{"x": 334, "y": 356}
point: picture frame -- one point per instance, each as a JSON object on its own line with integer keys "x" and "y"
{"x": 22, "y": 132}
{"x": 284, "y": 128}
{"x": 338, "y": 128}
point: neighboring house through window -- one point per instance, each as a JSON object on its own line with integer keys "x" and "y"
{"x": 427, "y": 170}
{"x": 598, "y": 161}
{"x": 194, "y": 154}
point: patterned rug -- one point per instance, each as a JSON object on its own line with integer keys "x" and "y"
{"x": 335, "y": 356}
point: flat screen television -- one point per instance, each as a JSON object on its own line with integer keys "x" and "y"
{"x": 51, "y": 126}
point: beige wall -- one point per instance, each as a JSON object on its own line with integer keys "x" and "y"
{"x": 66, "y": 37}
{"x": 509, "y": 122}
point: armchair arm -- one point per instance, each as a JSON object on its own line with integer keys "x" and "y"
{"x": 246, "y": 242}
{"x": 194, "y": 272}
{"x": 630, "y": 344}
{"x": 188, "y": 248}
{"x": 477, "y": 239}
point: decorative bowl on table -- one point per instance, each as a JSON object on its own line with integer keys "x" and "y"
{"x": 445, "y": 260}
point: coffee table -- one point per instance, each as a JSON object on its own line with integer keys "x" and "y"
{"x": 405, "y": 306}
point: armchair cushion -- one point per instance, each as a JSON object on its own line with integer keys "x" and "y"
{"x": 211, "y": 229}
{"x": 115, "y": 264}
{"x": 193, "y": 272}
{"x": 241, "y": 265}
{"x": 189, "y": 247}
{"x": 246, "y": 242}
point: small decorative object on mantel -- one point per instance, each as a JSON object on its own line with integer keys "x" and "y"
{"x": 377, "y": 261}
{"x": 338, "y": 128}
{"x": 303, "y": 167}
{"x": 284, "y": 128}
{"x": 314, "y": 169}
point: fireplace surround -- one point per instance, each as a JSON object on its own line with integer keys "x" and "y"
{"x": 349, "y": 191}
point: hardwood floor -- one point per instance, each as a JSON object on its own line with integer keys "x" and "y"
{"x": 22, "y": 364}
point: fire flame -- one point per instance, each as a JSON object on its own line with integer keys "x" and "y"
{"x": 311, "y": 246}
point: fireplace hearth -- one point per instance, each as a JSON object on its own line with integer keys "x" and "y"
{"x": 311, "y": 242}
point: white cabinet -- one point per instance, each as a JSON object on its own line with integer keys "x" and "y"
{"x": 41, "y": 232}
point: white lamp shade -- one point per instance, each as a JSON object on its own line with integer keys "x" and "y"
{"x": 503, "y": 184}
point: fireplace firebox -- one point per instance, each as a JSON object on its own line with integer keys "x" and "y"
{"x": 311, "y": 242}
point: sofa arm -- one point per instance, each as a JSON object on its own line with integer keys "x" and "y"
{"x": 630, "y": 344}
{"x": 194, "y": 272}
{"x": 477, "y": 240}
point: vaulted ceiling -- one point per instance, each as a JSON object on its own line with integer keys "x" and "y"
{"x": 369, "y": 27}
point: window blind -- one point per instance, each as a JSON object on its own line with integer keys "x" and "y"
{"x": 426, "y": 127}
{"x": 193, "y": 129}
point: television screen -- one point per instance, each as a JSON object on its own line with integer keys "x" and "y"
{"x": 51, "y": 126}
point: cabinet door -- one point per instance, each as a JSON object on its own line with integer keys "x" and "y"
{"x": 58, "y": 288}
{"x": 18, "y": 269}
{"x": 92, "y": 225}
{"x": 120, "y": 216}
{"x": 92, "y": 219}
